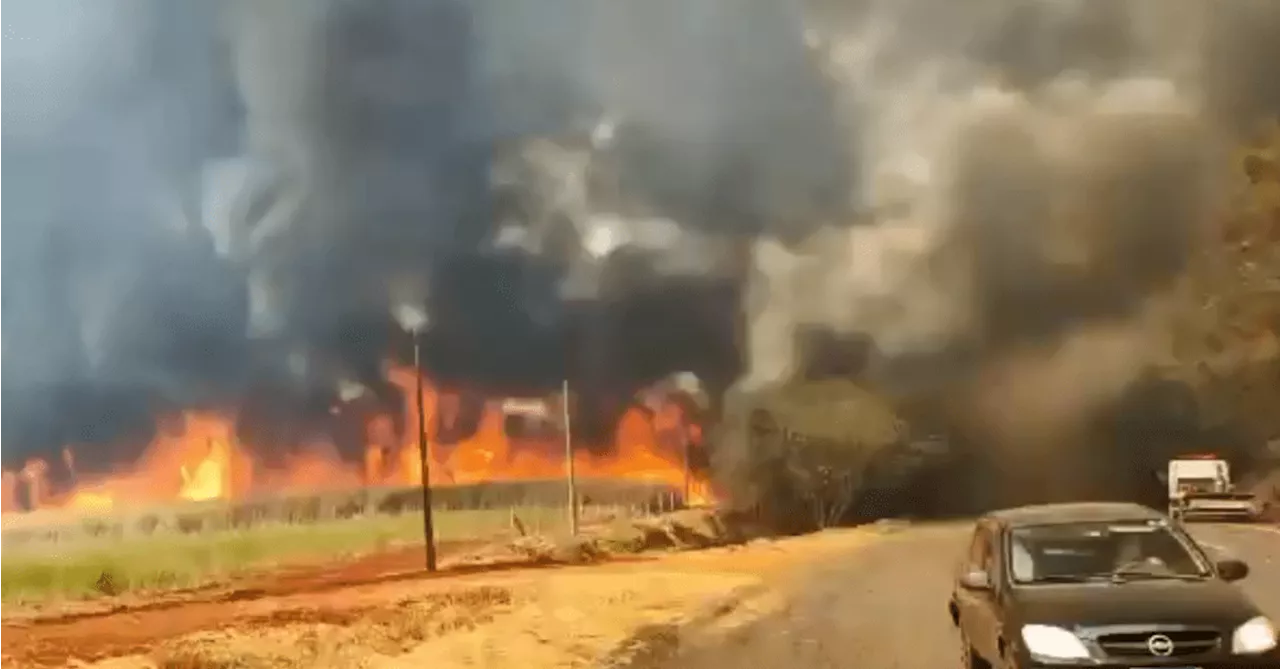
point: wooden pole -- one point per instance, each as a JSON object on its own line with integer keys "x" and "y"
{"x": 428, "y": 529}
{"x": 568, "y": 457}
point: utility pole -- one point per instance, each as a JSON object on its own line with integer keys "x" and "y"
{"x": 568, "y": 458}
{"x": 428, "y": 529}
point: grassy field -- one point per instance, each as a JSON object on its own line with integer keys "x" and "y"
{"x": 92, "y": 566}
{"x": 57, "y": 554}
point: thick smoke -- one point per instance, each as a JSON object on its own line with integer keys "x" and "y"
{"x": 1032, "y": 167}
{"x": 111, "y": 293}
{"x": 1039, "y": 174}
{"x": 376, "y": 122}
{"x": 329, "y": 164}
{"x": 213, "y": 194}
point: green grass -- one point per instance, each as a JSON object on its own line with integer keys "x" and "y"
{"x": 75, "y": 569}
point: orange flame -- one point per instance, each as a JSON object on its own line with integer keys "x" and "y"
{"x": 199, "y": 458}
{"x": 491, "y": 455}
{"x": 193, "y": 458}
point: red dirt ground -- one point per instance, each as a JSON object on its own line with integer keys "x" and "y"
{"x": 337, "y": 594}
{"x": 289, "y": 595}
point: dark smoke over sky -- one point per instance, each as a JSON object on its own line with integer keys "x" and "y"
{"x": 207, "y": 197}
{"x": 109, "y": 293}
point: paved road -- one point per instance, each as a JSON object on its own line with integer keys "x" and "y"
{"x": 1260, "y": 547}
{"x": 884, "y": 605}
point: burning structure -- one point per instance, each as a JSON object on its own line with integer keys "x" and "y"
{"x": 602, "y": 192}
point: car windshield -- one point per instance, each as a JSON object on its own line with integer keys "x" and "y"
{"x": 1088, "y": 551}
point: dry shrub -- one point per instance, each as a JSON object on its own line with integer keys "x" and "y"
{"x": 655, "y": 535}
{"x": 697, "y": 528}
{"x": 213, "y": 657}
{"x": 680, "y": 530}
{"x": 147, "y": 523}
{"x": 395, "y": 631}
{"x": 97, "y": 527}
{"x": 350, "y": 508}
{"x": 190, "y": 523}
{"x": 244, "y": 516}
{"x": 623, "y": 536}
{"x": 540, "y": 549}
{"x": 269, "y": 649}
{"x": 301, "y": 510}
{"x": 107, "y": 584}
{"x": 400, "y": 501}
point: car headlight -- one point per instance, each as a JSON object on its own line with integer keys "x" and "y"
{"x": 1254, "y": 637}
{"x": 1052, "y": 642}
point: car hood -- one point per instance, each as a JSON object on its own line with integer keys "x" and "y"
{"x": 1210, "y": 602}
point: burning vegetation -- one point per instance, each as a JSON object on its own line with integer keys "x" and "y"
{"x": 197, "y": 456}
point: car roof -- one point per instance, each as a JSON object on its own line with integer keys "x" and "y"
{"x": 1078, "y": 512}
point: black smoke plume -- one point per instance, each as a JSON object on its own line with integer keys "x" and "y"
{"x": 217, "y": 201}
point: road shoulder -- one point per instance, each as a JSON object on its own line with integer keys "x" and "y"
{"x": 611, "y": 614}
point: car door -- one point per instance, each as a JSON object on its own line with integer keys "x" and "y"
{"x": 998, "y": 604}
{"x": 977, "y": 607}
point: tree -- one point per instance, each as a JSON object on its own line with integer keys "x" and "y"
{"x": 804, "y": 449}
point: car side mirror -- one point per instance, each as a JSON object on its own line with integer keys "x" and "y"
{"x": 975, "y": 579}
{"x": 1232, "y": 570}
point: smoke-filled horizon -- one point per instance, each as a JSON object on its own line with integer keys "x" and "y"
{"x": 208, "y": 197}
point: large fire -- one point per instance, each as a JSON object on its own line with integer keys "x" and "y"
{"x": 201, "y": 459}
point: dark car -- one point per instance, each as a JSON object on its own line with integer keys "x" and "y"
{"x": 1102, "y": 585}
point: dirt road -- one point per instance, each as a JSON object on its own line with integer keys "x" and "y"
{"x": 883, "y": 605}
